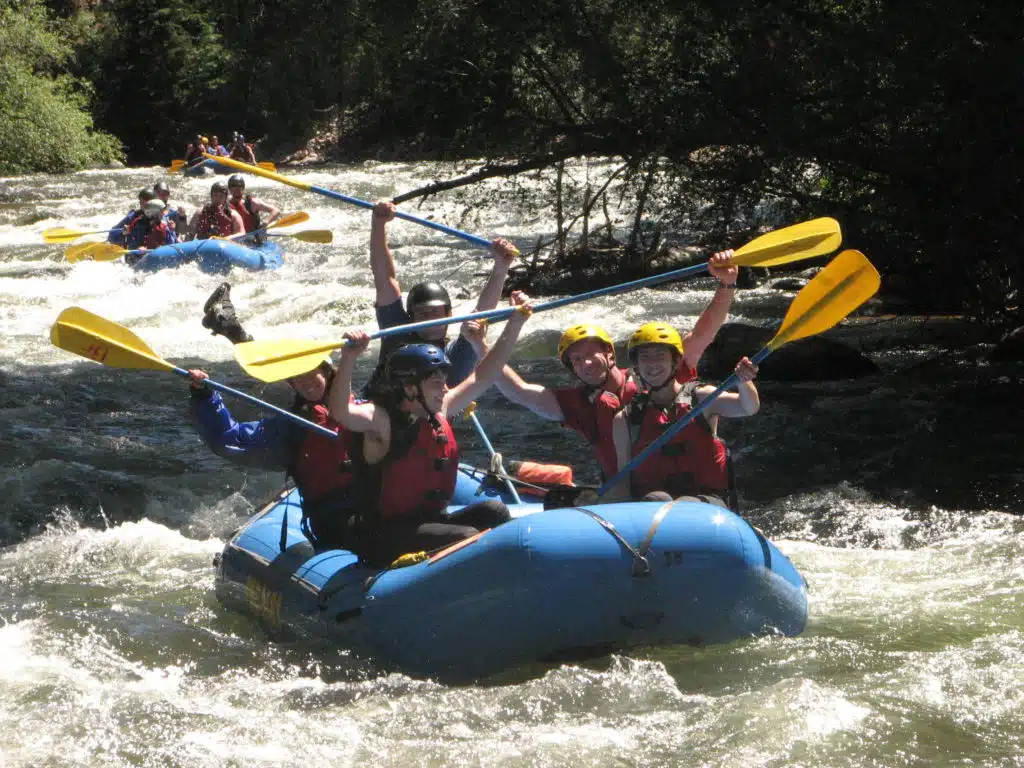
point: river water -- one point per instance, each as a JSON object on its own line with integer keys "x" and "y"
{"x": 897, "y": 496}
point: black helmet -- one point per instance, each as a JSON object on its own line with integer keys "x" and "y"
{"x": 145, "y": 194}
{"x": 415, "y": 362}
{"x": 236, "y": 180}
{"x": 428, "y": 294}
{"x": 219, "y": 186}
{"x": 161, "y": 186}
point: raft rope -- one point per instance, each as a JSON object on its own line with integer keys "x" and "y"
{"x": 641, "y": 567}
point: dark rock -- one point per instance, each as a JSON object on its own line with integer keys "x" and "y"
{"x": 811, "y": 359}
{"x": 1010, "y": 348}
{"x": 789, "y": 284}
{"x": 750, "y": 277}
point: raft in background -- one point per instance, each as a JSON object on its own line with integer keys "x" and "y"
{"x": 551, "y": 584}
{"x": 214, "y": 256}
{"x": 206, "y": 168}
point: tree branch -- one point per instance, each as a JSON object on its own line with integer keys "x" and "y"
{"x": 490, "y": 172}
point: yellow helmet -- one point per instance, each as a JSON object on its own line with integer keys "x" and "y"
{"x": 205, "y": 140}
{"x": 654, "y": 333}
{"x": 579, "y": 333}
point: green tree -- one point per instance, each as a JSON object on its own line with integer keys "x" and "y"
{"x": 159, "y": 68}
{"x": 44, "y": 125}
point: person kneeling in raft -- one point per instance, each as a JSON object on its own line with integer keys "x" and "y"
{"x": 321, "y": 467}
{"x": 693, "y": 464}
{"x": 409, "y": 447}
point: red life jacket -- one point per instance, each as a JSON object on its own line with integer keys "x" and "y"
{"x": 323, "y": 468}
{"x": 418, "y": 481}
{"x": 692, "y": 462}
{"x": 250, "y": 216}
{"x": 589, "y": 411}
{"x": 152, "y": 235}
{"x": 214, "y": 220}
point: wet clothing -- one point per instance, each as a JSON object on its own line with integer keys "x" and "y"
{"x": 219, "y": 149}
{"x": 250, "y": 219}
{"x": 324, "y": 470}
{"x": 590, "y": 411}
{"x": 194, "y": 153}
{"x": 213, "y": 220}
{"x": 459, "y": 351}
{"x": 417, "y": 477}
{"x": 693, "y": 462}
{"x": 143, "y": 232}
{"x": 250, "y": 216}
{"x": 390, "y": 540}
{"x": 415, "y": 483}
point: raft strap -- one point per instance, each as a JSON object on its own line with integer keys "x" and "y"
{"x": 645, "y": 545}
{"x": 640, "y": 565}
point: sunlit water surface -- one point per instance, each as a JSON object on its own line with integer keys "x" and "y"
{"x": 113, "y": 650}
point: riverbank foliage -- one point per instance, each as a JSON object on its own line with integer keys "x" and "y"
{"x": 898, "y": 117}
{"x": 45, "y": 124}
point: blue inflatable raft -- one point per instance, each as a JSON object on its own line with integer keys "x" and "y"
{"x": 213, "y": 256}
{"x": 550, "y": 585}
{"x": 206, "y": 168}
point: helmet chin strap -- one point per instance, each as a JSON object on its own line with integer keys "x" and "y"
{"x": 422, "y": 400}
{"x": 652, "y": 388}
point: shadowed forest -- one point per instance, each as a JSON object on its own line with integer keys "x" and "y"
{"x": 900, "y": 119}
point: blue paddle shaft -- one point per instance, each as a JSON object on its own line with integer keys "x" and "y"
{"x": 674, "y": 430}
{"x": 256, "y": 401}
{"x": 506, "y": 312}
{"x": 407, "y": 216}
{"x": 490, "y": 449}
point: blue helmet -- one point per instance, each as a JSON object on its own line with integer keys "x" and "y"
{"x": 416, "y": 362}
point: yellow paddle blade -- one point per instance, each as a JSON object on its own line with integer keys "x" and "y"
{"x": 299, "y": 217}
{"x": 279, "y": 359}
{"x": 311, "y": 235}
{"x": 267, "y": 166}
{"x": 800, "y": 241}
{"x": 176, "y": 165}
{"x": 256, "y": 170}
{"x": 847, "y": 282}
{"x": 60, "y": 234}
{"x": 87, "y": 335}
{"x": 94, "y": 252}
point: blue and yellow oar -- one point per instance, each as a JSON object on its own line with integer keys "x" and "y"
{"x": 277, "y": 359}
{"x": 346, "y": 199}
{"x": 847, "y": 282}
{"x": 81, "y": 332}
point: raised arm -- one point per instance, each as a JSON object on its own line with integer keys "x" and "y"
{"x": 504, "y": 254}
{"x": 714, "y": 316}
{"x": 537, "y": 398}
{"x": 745, "y": 401}
{"x": 355, "y": 417}
{"x": 487, "y": 371}
{"x": 272, "y": 211}
{"x": 382, "y": 265}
